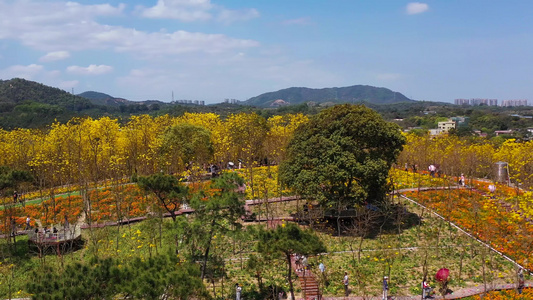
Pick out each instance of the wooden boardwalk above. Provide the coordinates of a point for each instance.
(60, 240)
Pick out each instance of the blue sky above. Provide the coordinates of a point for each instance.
(216, 49)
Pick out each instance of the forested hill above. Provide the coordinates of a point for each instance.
(104, 99)
(92, 95)
(25, 103)
(350, 94)
(29, 104)
(16, 91)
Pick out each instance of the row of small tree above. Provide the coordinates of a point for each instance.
(474, 157)
(88, 150)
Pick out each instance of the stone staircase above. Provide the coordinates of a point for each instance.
(308, 282)
(309, 286)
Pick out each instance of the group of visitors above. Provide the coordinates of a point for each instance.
(427, 290)
(47, 230)
(385, 286)
(17, 197)
(433, 169)
(301, 263)
(216, 168)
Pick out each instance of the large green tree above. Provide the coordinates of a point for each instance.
(285, 241)
(170, 193)
(186, 144)
(11, 179)
(342, 156)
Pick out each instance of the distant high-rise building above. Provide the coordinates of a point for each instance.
(476, 101)
(231, 101)
(482, 101)
(522, 102)
(462, 102)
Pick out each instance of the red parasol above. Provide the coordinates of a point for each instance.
(442, 274)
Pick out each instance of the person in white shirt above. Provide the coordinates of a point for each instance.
(345, 282)
(237, 292)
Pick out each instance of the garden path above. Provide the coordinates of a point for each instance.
(462, 293)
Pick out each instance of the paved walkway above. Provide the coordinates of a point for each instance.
(462, 293)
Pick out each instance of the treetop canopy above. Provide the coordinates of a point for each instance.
(342, 156)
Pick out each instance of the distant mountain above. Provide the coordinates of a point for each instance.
(350, 94)
(98, 98)
(92, 95)
(104, 99)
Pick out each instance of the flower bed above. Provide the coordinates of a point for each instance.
(405, 180)
(503, 229)
(119, 202)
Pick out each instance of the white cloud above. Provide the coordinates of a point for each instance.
(183, 10)
(71, 27)
(414, 8)
(195, 10)
(299, 21)
(159, 44)
(54, 56)
(67, 85)
(26, 15)
(90, 70)
(237, 76)
(19, 71)
(230, 16)
(38, 73)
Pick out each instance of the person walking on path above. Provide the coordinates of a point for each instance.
(13, 227)
(492, 189)
(322, 268)
(305, 264)
(432, 170)
(462, 179)
(28, 226)
(345, 282)
(521, 282)
(385, 287)
(238, 290)
(426, 289)
(298, 262)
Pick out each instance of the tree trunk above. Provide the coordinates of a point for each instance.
(291, 287)
(206, 255)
